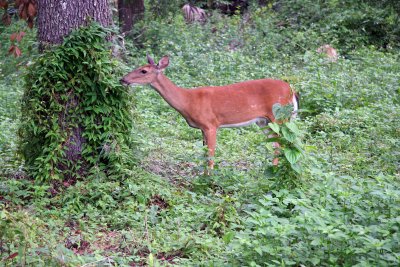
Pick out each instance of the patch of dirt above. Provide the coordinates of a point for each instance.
(239, 165)
(157, 200)
(75, 240)
(106, 241)
(173, 171)
(109, 241)
(77, 244)
(165, 258)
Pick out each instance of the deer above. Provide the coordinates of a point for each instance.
(330, 52)
(209, 108)
(193, 14)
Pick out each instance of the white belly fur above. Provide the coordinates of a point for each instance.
(259, 121)
(295, 105)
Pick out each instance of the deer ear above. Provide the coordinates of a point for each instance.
(150, 60)
(164, 61)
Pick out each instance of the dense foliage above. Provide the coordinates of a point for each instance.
(75, 114)
(347, 23)
(341, 208)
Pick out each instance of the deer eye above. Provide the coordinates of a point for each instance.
(143, 71)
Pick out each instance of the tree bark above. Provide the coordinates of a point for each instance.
(129, 11)
(57, 19)
(262, 2)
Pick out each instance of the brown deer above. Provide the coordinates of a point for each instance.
(192, 14)
(329, 51)
(211, 107)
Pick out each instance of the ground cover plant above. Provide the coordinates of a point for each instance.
(341, 208)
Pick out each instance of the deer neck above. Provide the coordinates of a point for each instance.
(175, 96)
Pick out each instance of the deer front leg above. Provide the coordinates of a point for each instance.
(210, 139)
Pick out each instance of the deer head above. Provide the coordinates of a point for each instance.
(145, 74)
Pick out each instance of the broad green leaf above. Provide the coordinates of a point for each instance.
(228, 237)
(258, 250)
(274, 127)
(288, 135)
(292, 155)
(282, 112)
(293, 127)
(275, 109)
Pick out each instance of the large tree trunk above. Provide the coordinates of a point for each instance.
(129, 11)
(56, 19)
(262, 2)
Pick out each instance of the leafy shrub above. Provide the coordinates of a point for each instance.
(75, 114)
(338, 221)
(164, 8)
(290, 151)
(357, 138)
(348, 24)
(347, 84)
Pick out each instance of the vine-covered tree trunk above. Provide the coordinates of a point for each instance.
(56, 19)
(129, 11)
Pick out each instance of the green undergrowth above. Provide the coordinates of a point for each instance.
(342, 210)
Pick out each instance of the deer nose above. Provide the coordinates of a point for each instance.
(123, 82)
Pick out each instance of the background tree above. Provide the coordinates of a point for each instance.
(129, 12)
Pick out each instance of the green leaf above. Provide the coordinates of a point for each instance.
(288, 135)
(282, 112)
(275, 109)
(293, 127)
(274, 127)
(228, 237)
(258, 250)
(292, 155)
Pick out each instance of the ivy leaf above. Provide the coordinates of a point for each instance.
(19, 36)
(13, 37)
(17, 52)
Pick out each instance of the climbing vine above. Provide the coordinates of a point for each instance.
(75, 115)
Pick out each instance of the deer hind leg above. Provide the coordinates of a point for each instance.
(210, 139)
(204, 138)
(263, 123)
(276, 146)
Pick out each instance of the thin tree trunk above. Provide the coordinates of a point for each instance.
(129, 11)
